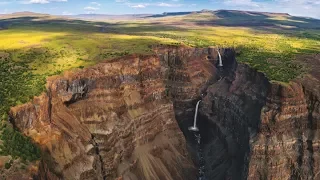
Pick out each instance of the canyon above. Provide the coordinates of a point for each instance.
(128, 118)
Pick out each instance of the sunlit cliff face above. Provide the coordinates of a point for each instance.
(129, 118)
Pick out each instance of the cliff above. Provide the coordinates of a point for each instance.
(255, 129)
(128, 118)
(116, 119)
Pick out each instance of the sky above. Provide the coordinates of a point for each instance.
(307, 8)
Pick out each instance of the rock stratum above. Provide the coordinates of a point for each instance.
(128, 119)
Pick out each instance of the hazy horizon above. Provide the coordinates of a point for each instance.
(306, 8)
(88, 14)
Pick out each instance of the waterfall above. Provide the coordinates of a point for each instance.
(220, 59)
(194, 127)
(197, 135)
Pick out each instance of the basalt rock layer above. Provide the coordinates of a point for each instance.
(128, 118)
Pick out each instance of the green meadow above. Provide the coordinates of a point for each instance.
(33, 48)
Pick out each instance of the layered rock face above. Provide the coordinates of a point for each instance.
(254, 129)
(116, 119)
(128, 119)
(287, 146)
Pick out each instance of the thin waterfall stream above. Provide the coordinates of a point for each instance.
(197, 136)
(220, 59)
(196, 130)
(194, 127)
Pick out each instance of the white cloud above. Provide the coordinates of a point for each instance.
(138, 6)
(144, 5)
(90, 8)
(121, 1)
(95, 3)
(168, 5)
(41, 1)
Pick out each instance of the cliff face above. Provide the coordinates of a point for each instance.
(229, 117)
(117, 119)
(128, 118)
(287, 146)
(254, 129)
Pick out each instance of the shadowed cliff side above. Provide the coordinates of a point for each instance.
(254, 129)
(229, 115)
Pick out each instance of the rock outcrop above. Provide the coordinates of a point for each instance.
(128, 118)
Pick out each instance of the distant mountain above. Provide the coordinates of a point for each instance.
(224, 13)
(24, 14)
(230, 14)
(246, 14)
(109, 17)
(28, 13)
(219, 13)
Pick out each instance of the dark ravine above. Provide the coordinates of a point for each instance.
(129, 118)
(229, 116)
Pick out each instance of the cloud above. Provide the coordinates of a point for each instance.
(90, 8)
(138, 6)
(41, 1)
(144, 5)
(168, 5)
(95, 3)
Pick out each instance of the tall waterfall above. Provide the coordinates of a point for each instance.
(194, 127)
(220, 59)
(197, 135)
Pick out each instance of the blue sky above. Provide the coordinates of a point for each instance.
(309, 8)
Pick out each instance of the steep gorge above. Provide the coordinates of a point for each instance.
(128, 119)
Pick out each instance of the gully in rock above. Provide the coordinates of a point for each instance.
(200, 157)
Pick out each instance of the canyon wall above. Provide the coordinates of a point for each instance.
(128, 118)
(116, 119)
(254, 129)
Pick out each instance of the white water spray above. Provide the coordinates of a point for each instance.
(220, 59)
(194, 127)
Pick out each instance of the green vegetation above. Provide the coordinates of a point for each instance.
(18, 84)
(8, 165)
(17, 145)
